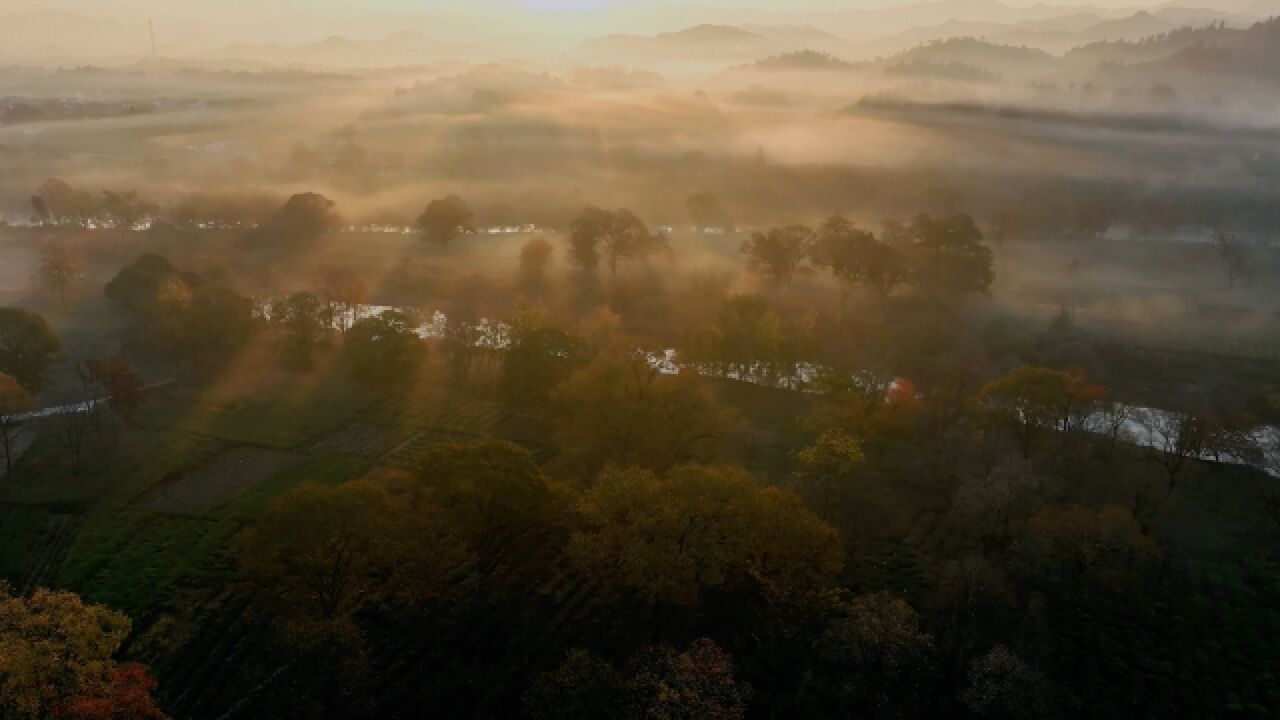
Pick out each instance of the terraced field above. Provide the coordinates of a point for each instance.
(221, 479)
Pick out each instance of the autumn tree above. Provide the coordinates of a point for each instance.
(878, 411)
(58, 270)
(1032, 400)
(445, 219)
(28, 347)
(775, 255)
(57, 660)
(384, 350)
(14, 400)
(620, 410)
(612, 236)
(535, 259)
(137, 286)
(125, 695)
(671, 538)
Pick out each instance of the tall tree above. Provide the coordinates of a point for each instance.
(28, 347)
(58, 270)
(301, 317)
(949, 259)
(323, 552)
(535, 259)
(775, 255)
(612, 236)
(621, 410)
(856, 257)
(445, 219)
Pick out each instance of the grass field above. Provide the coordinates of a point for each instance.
(222, 478)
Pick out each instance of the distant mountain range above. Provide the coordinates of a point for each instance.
(711, 44)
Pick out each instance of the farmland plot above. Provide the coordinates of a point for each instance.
(226, 476)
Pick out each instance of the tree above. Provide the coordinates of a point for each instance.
(321, 551)
(621, 410)
(1031, 400)
(121, 386)
(490, 494)
(1074, 549)
(873, 657)
(615, 235)
(299, 224)
(829, 472)
(1002, 686)
(126, 695)
(445, 219)
(14, 400)
(1235, 258)
(384, 351)
(671, 538)
(56, 659)
(124, 210)
(535, 258)
(705, 211)
(696, 683)
(300, 315)
(138, 285)
(537, 361)
(58, 270)
(28, 347)
(658, 682)
(775, 255)
(218, 323)
(856, 257)
(343, 292)
(948, 257)
(744, 337)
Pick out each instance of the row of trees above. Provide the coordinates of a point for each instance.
(944, 258)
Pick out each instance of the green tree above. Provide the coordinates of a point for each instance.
(856, 257)
(384, 351)
(744, 337)
(28, 347)
(830, 473)
(445, 219)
